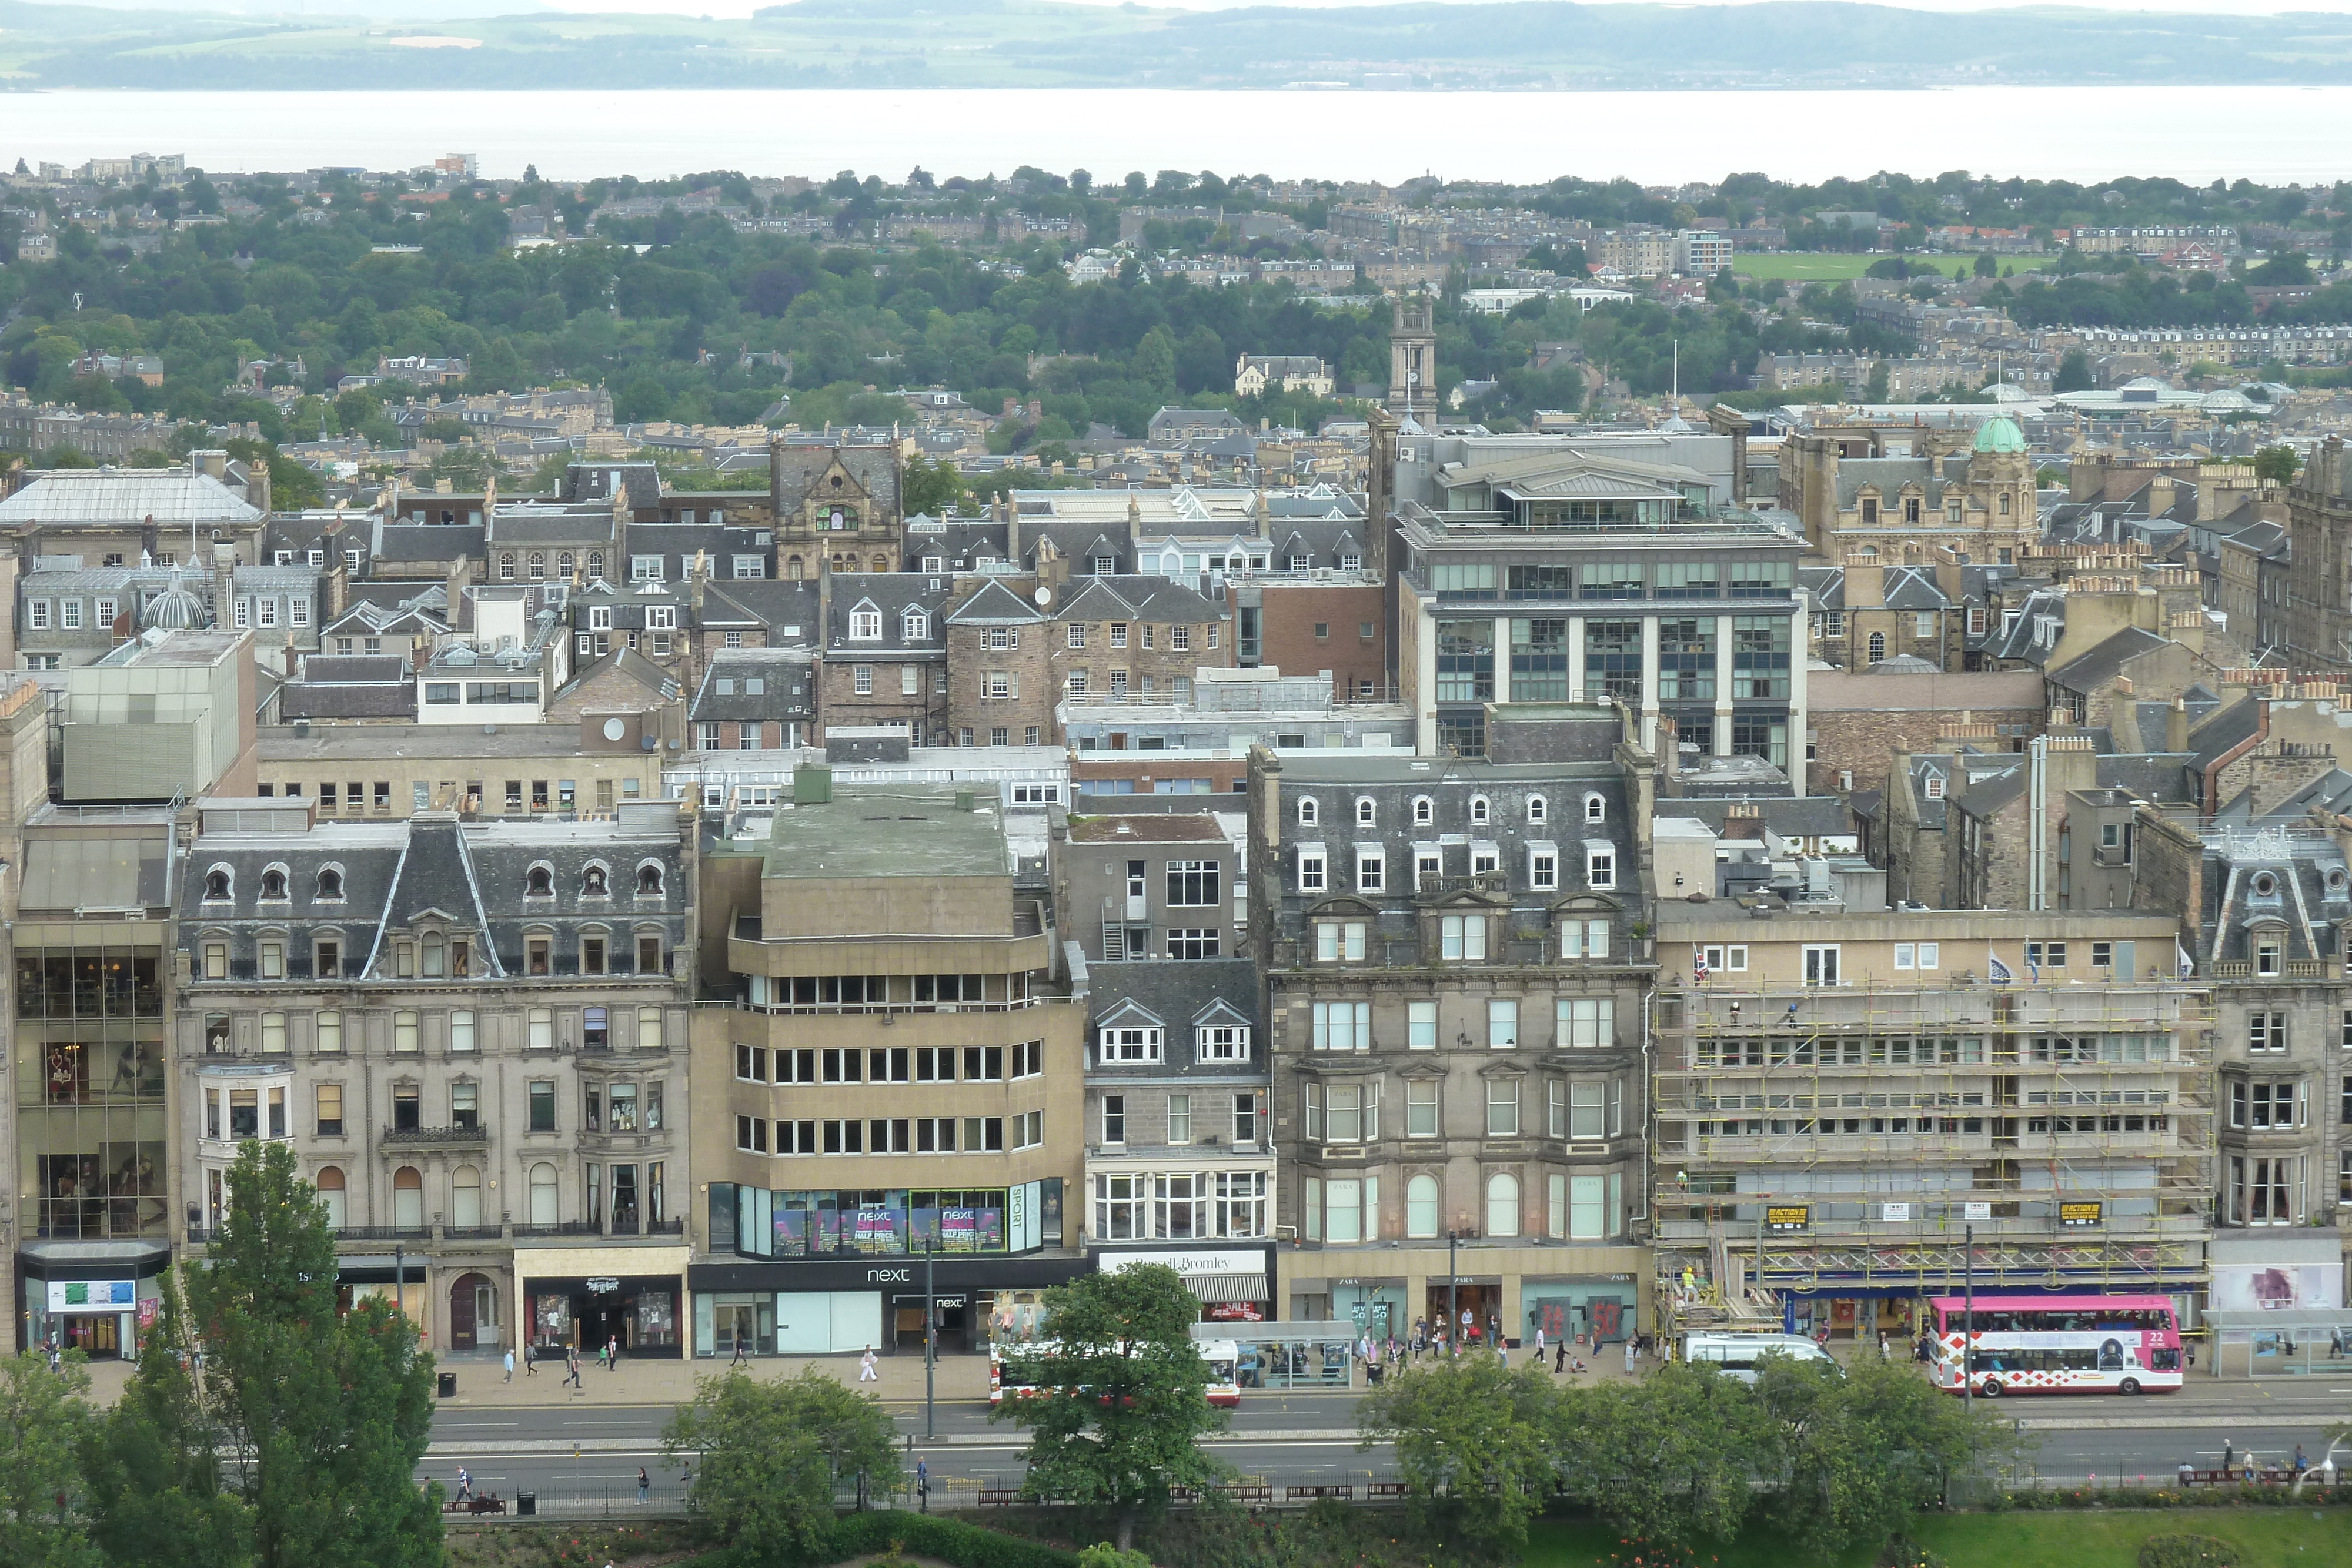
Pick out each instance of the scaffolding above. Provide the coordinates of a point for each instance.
(2103, 1092)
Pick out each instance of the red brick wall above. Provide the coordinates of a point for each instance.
(1287, 640)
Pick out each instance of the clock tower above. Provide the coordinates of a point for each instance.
(1412, 360)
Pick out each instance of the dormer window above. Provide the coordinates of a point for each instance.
(2266, 885)
(1596, 809)
(866, 625)
(1366, 811)
(916, 626)
(1424, 811)
(593, 884)
(1934, 785)
(649, 882)
(1479, 811)
(273, 883)
(1307, 816)
(217, 885)
(330, 883)
(1539, 809)
(539, 882)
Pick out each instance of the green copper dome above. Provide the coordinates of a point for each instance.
(1999, 434)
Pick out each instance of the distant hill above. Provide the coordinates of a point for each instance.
(1511, 44)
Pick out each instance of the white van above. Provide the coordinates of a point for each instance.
(1735, 1355)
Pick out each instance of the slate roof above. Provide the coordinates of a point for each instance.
(428, 541)
(757, 685)
(2092, 671)
(995, 604)
(797, 469)
(1152, 599)
(1178, 997)
(788, 610)
(893, 593)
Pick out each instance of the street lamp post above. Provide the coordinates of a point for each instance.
(931, 1333)
(1968, 1322)
(1453, 1292)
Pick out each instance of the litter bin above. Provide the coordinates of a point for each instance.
(526, 1504)
(448, 1386)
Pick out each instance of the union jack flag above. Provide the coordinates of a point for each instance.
(1698, 963)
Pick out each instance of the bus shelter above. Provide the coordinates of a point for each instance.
(2294, 1343)
(1303, 1355)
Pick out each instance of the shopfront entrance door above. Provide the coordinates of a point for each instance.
(731, 1326)
(1478, 1301)
(96, 1334)
(600, 1318)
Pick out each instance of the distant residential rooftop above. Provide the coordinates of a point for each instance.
(1141, 830)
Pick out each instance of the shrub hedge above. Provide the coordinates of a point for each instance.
(934, 1535)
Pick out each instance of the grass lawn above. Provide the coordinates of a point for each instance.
(2265, 1538)
(1836, 266)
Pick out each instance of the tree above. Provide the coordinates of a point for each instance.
(1122, 1404)
(2276, 465)
(1986, 265)
(326, 1416)
(1860, 1449)
(1874, 389)
(772, 1455)
(1474, 1441)
(43, 1420)
(932, 488)
(1669, 1458)
(156, 1497)
(2074, 372)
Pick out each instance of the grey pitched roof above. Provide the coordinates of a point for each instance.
(1177, 996)
(995, 605)
(2092, 671)
(2222, 732)
(893, 593)
(1803, 815)
(787, 609)
(802, 471)
(756, 686)
(1913, 588)
(429, 541)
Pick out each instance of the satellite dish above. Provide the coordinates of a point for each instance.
(615, 730)
(1044, 595)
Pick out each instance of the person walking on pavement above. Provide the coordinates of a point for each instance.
(613, 1353)
(571, 1367)
(740, 1359)
(1560, 1355)
(1419, 1337)
(1539, 1345)
(645, 1483)
(530, 1367)
(866, 1373)
(1469, 1327)
(509, 1365)
(1629, 1358)
(464, 1486)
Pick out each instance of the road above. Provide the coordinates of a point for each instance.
(577, 1451)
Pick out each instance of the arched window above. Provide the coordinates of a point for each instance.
(1367, 811)
(1424, 811)
(1479, 811)
(881, 563)
(596, 563)
(539, 882)
(407, 1198)
(273, 883)
(466, 1198)
(649, 882)
(507, 567)
(217, 884)
(1421, 1206)
(542, 1194)
(564, 564)
(1539, 810)
(331, 1194)
(1307, 815)
(331, 883)
(1877, 647)
(1596, 809)
(793, 568)
(593, 884)
(1502, 1204)
(539, 565)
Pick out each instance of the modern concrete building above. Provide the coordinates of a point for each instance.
(1844, 1093)
(887, 1064)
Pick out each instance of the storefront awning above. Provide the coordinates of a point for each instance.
(1228, 1287)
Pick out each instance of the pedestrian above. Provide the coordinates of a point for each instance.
(2300, 1464)
(866, 1373)
(1882, 1346)
(1540, 1345)
(1469, 1327)
(2187, 1473)
(740, 1359)
(530, 1367)
(1560, 1354)
(2335, 1343)
(465, 1485)
(1419, 1337)
(1495, 1329)
(644, 1484)
(2229, 1455)
(613, 1353)
(1629, 1358)
(571, 1367)
(57, 1356)
(509, 1365)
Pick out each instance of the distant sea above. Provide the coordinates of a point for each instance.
(2192, 133)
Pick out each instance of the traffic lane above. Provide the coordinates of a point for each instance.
(2159, 1451)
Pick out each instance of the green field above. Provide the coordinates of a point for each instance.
(1836, 266)
(2265, 1538)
